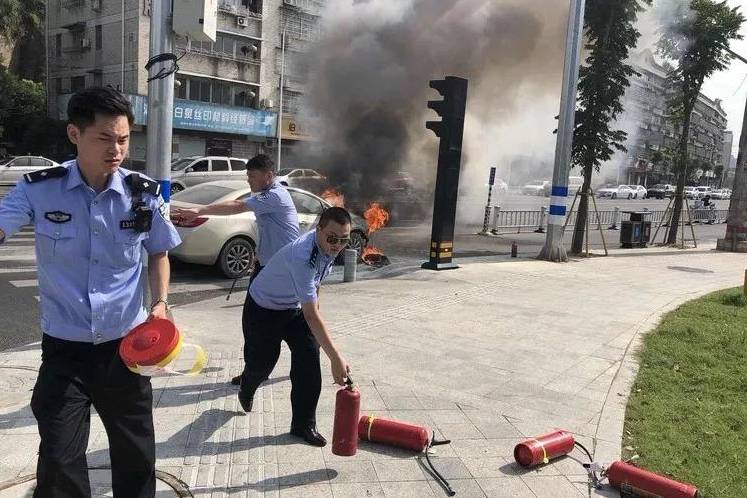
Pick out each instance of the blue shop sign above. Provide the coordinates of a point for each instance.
(191, 115)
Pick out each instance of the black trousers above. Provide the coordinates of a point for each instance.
(264, 330)
(72, 377)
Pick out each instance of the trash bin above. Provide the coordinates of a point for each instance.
(636, 231)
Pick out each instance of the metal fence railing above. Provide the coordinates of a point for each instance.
(517, 220)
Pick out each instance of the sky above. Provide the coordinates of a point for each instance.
(731, 85)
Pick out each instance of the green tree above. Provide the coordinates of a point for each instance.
(610, 34)
(19, 18)
(697, 42)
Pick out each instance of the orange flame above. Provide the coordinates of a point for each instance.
(334, 197)
(376, 216)
(370, 250)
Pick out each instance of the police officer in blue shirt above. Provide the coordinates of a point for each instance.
(91, 220)
(273, 207)
(283, 305)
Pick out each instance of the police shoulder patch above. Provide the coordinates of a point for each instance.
(58, 216)
(45, 174)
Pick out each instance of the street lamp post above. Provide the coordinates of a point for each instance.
(280, 104)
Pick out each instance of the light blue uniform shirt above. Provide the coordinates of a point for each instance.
(89, 265)
(292, 275)
(277, 220)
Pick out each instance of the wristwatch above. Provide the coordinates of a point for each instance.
(154, 303)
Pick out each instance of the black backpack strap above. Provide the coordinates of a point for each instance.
(313, 256)
(45, 174)
(139, 185)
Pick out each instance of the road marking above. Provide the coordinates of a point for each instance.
(24, 283)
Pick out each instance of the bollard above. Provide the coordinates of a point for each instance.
(514, 249)
(486, 220)
(351, 265)
(615, 219)
(542, 222)
(496, 215)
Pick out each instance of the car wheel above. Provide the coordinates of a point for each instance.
(236, 257)
(630, 196)
(614, 196)
(358, 241)
(176, 188)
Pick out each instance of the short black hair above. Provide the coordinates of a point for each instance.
(86, 104)
(260, 162)
(337, 214)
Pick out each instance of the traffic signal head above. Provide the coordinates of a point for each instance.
(454, 93)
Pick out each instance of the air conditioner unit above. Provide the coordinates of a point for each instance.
(241, 21)
(85, 43)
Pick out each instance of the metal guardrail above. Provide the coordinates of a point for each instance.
(502, 219)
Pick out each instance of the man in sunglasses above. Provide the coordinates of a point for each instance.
(283, 305)
(272, 205)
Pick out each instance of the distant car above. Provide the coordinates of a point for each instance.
(639, 191)
(195, 170)
(535, 188)
(701, 192)
(722, 194)
(307, 179)
(399, 182)
(690, 193)
(13, 169)
(618, 192)
(661, 191)
(229, 242)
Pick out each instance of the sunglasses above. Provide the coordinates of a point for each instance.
(334, 240)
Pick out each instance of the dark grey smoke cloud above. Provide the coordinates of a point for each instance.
(370, 73)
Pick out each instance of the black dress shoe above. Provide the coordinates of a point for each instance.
(246, 399)
(310, 435)
(236, 381)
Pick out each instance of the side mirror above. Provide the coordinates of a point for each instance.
(189, 170)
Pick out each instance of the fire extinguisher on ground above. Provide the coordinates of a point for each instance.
(347, 412)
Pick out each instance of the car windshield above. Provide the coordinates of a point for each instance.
(202, 194)
(658, 186)
(285, 172)
(181, 164)
(6, 160)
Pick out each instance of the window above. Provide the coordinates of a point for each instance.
(20, 162)
(200, 166)
(77, 83)
(220, 165)
(305, 204)
(238, 165)
(58, 44)
(222, 93)
(97, 79)
(99, 40)
(58, 86)
(205, 91)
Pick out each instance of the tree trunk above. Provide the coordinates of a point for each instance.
(577, 245)
(679, 194)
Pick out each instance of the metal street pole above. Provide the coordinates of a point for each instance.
(553, 249)
(123, 46)
(735, 239)
(280, 104)
(160, 98)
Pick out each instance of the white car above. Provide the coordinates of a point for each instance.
(535, 188)
(194, 170)
(308, 179)
(639, 191)
(701, 192)
(723, 193)
(14, 168)
(619, 192)
(690, 193)
(229, 242)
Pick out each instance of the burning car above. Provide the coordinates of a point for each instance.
(229, 242)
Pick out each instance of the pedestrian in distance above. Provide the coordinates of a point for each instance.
(91, 221)
(283, 305)
(273, 207)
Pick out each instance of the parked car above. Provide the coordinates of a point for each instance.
(399, 182)
(574, 184)
(229, 242)
(195, 170)
(307, 179)
(660, 191)
(14, 168)
(535, 188)
(616, 192)
(639, 191)
(723, 193)
(690, 193)
(701, 192)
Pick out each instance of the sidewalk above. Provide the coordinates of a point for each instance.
(488, 354)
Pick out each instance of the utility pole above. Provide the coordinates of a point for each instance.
(160, 97)
(554, 249)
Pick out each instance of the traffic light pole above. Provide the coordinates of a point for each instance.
(450, 130)
(554, 249)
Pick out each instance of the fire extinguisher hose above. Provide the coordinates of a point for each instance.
(585, 450)
(437, 474)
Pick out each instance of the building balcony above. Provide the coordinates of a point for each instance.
(238, 8)
(72, 4)
(312, 7)
(223, 55)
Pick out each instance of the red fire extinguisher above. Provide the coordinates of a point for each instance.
(347, 411)
(402, 435)
(544, 448)
(638, 482)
